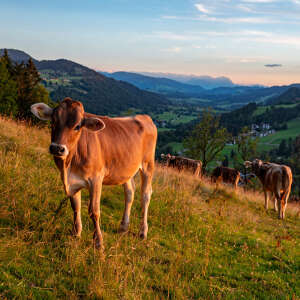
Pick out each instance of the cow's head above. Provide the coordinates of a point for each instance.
(255, 164)
(67, 121)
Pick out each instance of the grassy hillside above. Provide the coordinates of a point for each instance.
(202, 243)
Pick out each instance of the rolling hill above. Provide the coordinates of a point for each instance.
(99, 94)
(202, 243)
(290, 96)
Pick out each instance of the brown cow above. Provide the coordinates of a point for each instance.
(276, 181)
(188, 164)
(225, 174)
(165, 159)
(182, 163)
(92, 150)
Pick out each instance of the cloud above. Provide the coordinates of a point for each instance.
(202, 9)
(245, 8)
(173, 50)
(273, 65)
(259, 1)
(233, 20)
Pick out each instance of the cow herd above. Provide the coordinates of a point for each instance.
(276, 179)
(90, 151)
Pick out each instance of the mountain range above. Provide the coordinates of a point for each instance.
(205, 81)
(160, 85)
(116, 93)
(99, 94)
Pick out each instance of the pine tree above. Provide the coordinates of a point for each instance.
(8, 91)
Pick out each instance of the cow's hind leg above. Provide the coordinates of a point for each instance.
(273, 198)
(278, 199)
(284, 199)
(129, 188)
(76, 205)
(266, 199)
(94, 210)
(146, 191)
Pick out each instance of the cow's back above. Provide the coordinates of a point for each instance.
(278, 177)
(121, 148)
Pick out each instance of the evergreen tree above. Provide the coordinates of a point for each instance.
(282, 150)
(20, 88)
(225, 162)
(8, 91)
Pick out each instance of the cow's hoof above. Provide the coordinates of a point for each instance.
(142, 235)
(123, 228)
(99, 246)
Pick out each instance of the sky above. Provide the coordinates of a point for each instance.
(249, 41)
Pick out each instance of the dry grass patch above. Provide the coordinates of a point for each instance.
(203, 243)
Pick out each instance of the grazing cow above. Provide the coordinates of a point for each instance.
(276, 181)
(91, 150)
(182, 163)
(225, 174)
(165, 159)
(191, 165)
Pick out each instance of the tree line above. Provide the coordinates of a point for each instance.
(20, 87)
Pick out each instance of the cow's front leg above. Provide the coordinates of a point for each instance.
(76, 205)
(94, 210)
(146, 191)
(129, 196)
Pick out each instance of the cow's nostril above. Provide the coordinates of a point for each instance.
(51, 148)
(62, 149)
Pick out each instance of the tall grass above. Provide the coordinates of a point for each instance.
(202, 243)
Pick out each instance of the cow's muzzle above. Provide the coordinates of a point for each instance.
(58, 149)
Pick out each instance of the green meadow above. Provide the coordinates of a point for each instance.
(202, 243)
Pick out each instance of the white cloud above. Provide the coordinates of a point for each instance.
(173, 50)
(171, 17)
(202, 8)
(233, 20)
(245, 8)
(201, 35)
(205, 47)
(259, 1)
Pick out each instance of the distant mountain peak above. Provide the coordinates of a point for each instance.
(205, 81)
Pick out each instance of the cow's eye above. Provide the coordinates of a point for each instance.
(77, 127)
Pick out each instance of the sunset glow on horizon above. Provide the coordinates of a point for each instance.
(248, 41)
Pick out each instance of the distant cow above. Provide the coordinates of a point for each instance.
(91, 150)
(182, 163)
(225, 174)
(165, 159)
(276, 181)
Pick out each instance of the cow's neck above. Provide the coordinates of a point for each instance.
(261, 174)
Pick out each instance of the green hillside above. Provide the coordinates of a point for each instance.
(202, 243)
(99, 94)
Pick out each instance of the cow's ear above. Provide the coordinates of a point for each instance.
(93, 124)
(42, 111)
